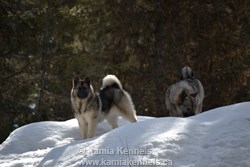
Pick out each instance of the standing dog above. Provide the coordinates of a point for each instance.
(91, 108)
(185, 98)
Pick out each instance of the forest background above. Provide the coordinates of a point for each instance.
(45, 43)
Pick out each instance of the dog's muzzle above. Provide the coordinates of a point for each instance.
(82, 92)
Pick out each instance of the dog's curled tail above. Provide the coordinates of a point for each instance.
(187, 73)
(111, 81)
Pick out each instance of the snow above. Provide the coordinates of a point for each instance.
(215, 138)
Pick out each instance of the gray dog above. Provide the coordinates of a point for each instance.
(185, 97)
(90, 108)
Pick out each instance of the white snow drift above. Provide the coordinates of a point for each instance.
(219, 138)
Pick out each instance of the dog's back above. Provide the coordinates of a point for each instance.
(111, 88)
(115, 98)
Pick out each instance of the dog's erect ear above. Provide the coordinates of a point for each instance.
(87, 79)
(75, 81)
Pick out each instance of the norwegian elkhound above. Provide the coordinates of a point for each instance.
(185, 97)
(90, 108)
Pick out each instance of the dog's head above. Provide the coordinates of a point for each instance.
(82, 88)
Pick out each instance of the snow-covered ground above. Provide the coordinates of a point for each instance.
(219, 138)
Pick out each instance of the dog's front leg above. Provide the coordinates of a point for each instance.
(83, 125)
(85, 131)
(92, 128)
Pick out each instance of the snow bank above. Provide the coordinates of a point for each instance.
(219, 137)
